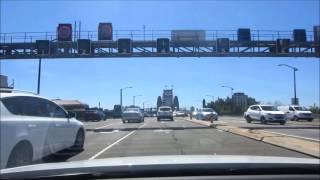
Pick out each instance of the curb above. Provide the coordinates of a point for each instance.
(309, 147)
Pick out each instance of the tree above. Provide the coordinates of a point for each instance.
(159, 102)
(203, 103)
(176, 103)
(192, 108)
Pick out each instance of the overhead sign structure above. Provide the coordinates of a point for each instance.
(163, 45)
(43, 46)
(124, 46)
(188, 35)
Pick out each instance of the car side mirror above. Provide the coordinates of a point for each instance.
(71, 114)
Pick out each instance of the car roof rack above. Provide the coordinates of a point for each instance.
(9, 90)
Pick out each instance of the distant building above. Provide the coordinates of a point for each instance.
(4, 82)
(75, 106)
(167, 97)
(240, 100)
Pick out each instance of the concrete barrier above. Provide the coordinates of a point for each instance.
(305, 146)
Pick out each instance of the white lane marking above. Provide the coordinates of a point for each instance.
(103, 126)
(116, 142)
(294, 136)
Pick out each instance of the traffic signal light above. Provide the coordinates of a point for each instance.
(283, 45)
(84, 46)
(42, 46)
(105, 31)
(64, 32)
(244, 35)
(163, 45)
(299, 35)
(124, 45)
(223, 45)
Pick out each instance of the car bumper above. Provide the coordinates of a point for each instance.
(165, 117)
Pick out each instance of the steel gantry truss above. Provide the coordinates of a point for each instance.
(144, 44)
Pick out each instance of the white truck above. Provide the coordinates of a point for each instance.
(295, 113)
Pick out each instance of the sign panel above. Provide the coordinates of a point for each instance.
(188, 35)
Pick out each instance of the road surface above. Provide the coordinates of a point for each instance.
(112, 138)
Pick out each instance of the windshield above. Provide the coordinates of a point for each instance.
(165, 109)
(269, 108)
(207, 110)
(132, 109)
(100, 79)
(299, 108)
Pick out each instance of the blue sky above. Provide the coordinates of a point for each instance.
(94, 80)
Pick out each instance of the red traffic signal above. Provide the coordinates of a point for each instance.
(64, 32)
(105, 31)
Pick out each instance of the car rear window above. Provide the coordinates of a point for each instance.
(165, 109)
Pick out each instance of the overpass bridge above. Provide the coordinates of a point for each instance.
(161, 43)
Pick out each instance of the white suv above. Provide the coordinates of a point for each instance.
(33, 127)
(296, 113)
(165, 112)
(265, 114)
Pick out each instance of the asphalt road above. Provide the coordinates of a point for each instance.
(112, 138)
(304, 129)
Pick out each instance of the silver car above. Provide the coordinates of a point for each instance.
(206, 114)
(132, 115)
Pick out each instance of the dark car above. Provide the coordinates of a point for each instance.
(93, 115)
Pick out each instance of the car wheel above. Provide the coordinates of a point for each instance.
(310, 120)
(158, 119)
(79, 141)
(21, 155)
(295, 118)
(248, 119)
(263, 120)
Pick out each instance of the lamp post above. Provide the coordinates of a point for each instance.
(231, 88)
(295, 102)
(134, 99)
(121, 95)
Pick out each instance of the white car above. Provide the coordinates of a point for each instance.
(206, 114)
(296, 113)
(164, 112)
(33, 127)
(264, 114)
(132, 115)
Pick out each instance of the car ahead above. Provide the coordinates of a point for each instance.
(179, 114)
(132, 114)
(296, 113)
(33, 127)
(264, 114)
(206, 114)
(164, 112)
(93, 115)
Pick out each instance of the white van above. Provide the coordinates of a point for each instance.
(294, 112)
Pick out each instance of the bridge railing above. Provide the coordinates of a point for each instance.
(147, 35)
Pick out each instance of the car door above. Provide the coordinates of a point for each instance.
(64, 131)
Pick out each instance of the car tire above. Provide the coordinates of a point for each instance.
(310, 120)
(79, 141)
(248, 119)
(21, 155)
(158, 119)
(263, 120)
(295, 118)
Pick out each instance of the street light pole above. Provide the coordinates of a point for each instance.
(121, 95)
(294, 81)
(134, 99)
(39, 76)
(231, 88)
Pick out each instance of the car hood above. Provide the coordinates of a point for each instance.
(125, 164)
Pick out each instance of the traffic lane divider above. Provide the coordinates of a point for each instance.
(306, 146)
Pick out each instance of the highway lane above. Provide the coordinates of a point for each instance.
(304, 129)
(112, 138)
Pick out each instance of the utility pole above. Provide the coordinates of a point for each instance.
(39, 76)
(295, 102)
